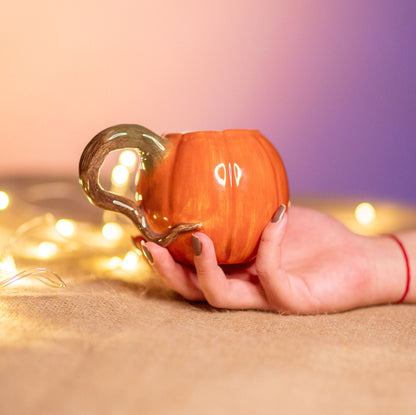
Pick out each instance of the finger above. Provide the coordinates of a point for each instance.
(269, 251)
(176, 276)
(220, 291)
(275, 281)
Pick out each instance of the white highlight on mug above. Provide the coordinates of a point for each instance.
(234, 174)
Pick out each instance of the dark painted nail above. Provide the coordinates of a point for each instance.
(277, 217)
(196, 245)
(147, 254)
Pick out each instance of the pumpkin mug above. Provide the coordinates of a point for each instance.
(227, 184)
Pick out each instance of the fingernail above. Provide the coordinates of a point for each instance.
(196, 245)
(277, 217)
(147, 254)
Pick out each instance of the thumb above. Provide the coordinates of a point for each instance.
(273, 278)
(269, 251)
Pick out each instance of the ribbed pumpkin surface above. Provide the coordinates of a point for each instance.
(231, 181)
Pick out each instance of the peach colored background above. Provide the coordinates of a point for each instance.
(331, 83)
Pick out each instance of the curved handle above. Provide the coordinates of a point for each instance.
(152, 149)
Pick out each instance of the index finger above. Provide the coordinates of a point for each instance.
(177, 276)
(220, 290)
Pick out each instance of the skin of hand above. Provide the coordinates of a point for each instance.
(307, 263)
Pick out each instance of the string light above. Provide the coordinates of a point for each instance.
(23, 243)
(65, 227)
(115, 262)
(128, 158)
(120, 185)
(44, 237)
(112, 231)
(43, 275)
(4, 200)
(47, 249)
(130, 261)
(7, 265)
(365, 213)
(120, 175)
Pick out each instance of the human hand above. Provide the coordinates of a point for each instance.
(307, 262)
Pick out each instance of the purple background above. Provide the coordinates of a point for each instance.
(353, 130)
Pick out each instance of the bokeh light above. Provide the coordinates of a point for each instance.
(65, 227)
(47, 249)
(4, 200)
(119, 175)
(365, 213)
(130, 261)
(115, 262)
(112, 231)
(128, 158)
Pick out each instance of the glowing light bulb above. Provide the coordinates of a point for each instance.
(130, 261)
(115, 262)
(7, 265)
(128, 158)
(4, 200)
(112, 231)
(65, 227)
(120, 174)
(365, 213)
(47, 249)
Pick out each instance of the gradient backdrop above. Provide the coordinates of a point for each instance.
(332, 83)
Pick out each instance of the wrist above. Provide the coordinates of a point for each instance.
(408, 241)
(387, 270)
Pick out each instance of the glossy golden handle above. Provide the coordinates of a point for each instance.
(152, 149)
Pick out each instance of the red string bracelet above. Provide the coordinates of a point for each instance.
(406, 258)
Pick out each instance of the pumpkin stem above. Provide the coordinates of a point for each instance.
(152, 149)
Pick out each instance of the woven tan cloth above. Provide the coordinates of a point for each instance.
(110, 345)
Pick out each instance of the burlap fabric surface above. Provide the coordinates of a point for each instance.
(106, 345)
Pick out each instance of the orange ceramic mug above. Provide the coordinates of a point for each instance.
(228, 184)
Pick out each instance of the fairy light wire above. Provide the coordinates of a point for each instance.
(64, 228)
(45, 249)
(44, 275)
